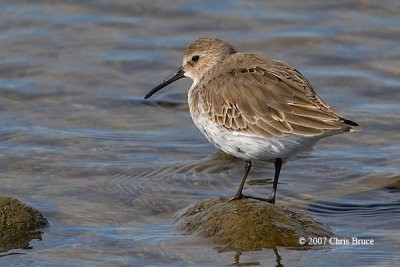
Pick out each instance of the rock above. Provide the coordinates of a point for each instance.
(247, 224)
(18, 224)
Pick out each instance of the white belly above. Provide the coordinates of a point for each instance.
(248, 147)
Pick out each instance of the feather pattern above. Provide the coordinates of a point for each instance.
(267, 98)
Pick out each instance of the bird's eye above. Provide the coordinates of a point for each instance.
(195, 58)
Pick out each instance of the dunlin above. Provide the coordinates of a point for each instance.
(253, 107)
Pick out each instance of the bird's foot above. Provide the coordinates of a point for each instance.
(270, 199)
(237, 197)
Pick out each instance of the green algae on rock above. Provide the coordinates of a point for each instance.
(247, 224)
(18, 224)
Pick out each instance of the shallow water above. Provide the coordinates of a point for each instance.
(109, 170)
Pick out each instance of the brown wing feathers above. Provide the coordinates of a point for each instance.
(256, 101)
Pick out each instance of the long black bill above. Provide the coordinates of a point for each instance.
(179, 73)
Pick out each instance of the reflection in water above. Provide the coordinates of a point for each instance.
(278, 258)
(238, 263)
(109, 170)
(256, 263)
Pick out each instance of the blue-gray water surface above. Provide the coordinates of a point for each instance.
(109, 170)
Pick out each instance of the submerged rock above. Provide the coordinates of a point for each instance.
(18, 224)
(248, 224)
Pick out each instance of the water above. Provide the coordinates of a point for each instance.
(109, 170)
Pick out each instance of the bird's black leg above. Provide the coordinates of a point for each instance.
(271, 199)
(247, 168)
(278, 165)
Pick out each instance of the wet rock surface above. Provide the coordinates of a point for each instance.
(247, 224)
(19, 224)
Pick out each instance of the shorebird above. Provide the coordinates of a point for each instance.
(253, 107)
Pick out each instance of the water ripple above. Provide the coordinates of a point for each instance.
(355, 209)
